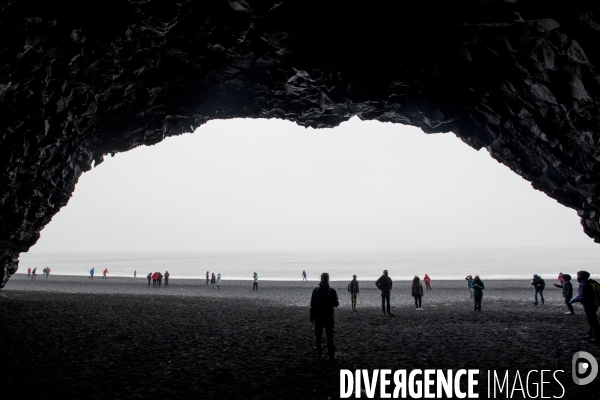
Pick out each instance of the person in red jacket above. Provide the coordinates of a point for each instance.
(155, 279)
(427, 279)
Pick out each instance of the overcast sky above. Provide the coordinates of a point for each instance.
(270, 185)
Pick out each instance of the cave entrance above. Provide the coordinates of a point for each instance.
(270, 186)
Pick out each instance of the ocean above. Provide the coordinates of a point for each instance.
(497, 263)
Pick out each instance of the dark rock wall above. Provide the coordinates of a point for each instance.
(80, 82)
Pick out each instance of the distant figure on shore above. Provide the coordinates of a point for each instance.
(33, 273)
(207, 278)
(303, 275)
(48, 270)
(155, 279)
(255, 284)
(167, 275)
(213, 280)
(104, 273)
(567, 291)
(417, 292)
(478, 287)
(538, 288)
(560, 278)
(354, 290)
(218, 281)
(469, 280)
(427, 279)
(149, 278)
(135, 273)
(160, 276)
(322, 303)
(44, 271)
(91, 274)
(384, 284)
(587, 297)
(29, 272)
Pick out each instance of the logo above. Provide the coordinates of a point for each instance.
(581, 368)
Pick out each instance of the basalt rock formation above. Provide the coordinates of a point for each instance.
(83, 81)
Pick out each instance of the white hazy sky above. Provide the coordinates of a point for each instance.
(270, 185)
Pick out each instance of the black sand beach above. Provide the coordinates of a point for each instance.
(73, 338)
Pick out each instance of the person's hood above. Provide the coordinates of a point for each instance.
(566, 277)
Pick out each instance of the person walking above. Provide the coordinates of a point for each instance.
(149, 278)
(427, 279)
(207, 278)
(91, 274)
(29, 272)
(469, 280)
(538, 288)
(167, 275)
(104, 273)
(384, 284)
(303, 275)
(33, 273)
(587, 298)
(477, 286)
(322, 303)
(560, 278)
(218, 281)
(417, 292)
(567, 291)
(48, 270)
(213, 280)
(255, 284)
(354, 291)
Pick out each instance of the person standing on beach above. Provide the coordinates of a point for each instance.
(560, 278)
(567, 292)
(149, 278)
(167, 275)
(48, 272)
(303, 275)
(384, 284)
(538, 287)
(354, 290)
(33, 273)
(160, 276)
(469, 280)
(322, 303)
(427, 279)
(213, 280)
(104, 273)
(587, 298)
(255, 284)
(29, 272)
(218, 281)
(155, 279)
(417, 292)
(135, 273)
(207, 278)
(91, 274)
(477, 286)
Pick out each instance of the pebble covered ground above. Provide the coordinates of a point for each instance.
(75, 338)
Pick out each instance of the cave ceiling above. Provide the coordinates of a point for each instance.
(82, 81)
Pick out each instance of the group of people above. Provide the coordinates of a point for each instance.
(104, 273)
(156, 278)
(215, 281)
(32, 273)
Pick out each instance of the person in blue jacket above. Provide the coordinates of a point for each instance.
(567, 292)
(91, 273)
(477, 286)
(586, 296)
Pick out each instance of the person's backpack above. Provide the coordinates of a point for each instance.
(541, 282)
(596, 290)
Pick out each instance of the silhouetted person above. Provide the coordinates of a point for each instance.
(477, 286)
(354, 290)
(167, 275)
(213, 280)
(417, 292)
(135, 273)
(322, 303)
(303, 275)
(207, 278)
(33, 273)
(538, 288)
(255, 284)
(149, 278)
(469, 280)
(218, 281)
(160, 276)
(384, 283)
(567, 291)
(586, 297)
